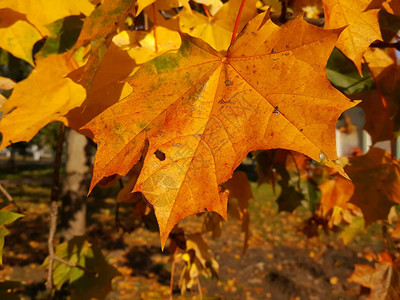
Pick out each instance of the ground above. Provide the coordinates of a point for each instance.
(280, 263)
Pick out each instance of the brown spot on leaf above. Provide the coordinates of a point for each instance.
(160, 155)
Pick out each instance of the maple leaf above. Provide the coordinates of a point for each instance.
(376, 181)
(110, 14)
(202, 112)
(362, 26)
(392, 6)
(335, 199)
(42, 13)
(17, 36)
(376, 123)
(386, 74)
(107, 88)
(239, 188)
(141, 45)
(335, 192)
(47, 92)
(382, 279)
(217, 30)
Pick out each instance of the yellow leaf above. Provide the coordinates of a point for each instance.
(217, 30)
(45, 96)
(141, 44)
(43, 12)
(17, 36)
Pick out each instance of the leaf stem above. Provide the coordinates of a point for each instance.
(153, 6)
(72, 265)
(382, 45)
(384, 104)
(206, 11)
(237, 21)
(10, 199)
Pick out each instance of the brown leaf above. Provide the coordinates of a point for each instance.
(239, 188)
(383, 280)
(376, 178)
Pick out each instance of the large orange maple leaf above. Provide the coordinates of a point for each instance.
(201, 112)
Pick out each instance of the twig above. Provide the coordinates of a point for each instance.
(171, 281)
(283, 17)
(53, 205)
(380, 44)
(199, 288)
(10, 199)
(237, 21)
(72, 265)
(275, 17)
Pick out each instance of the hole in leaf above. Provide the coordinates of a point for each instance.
(160, 155)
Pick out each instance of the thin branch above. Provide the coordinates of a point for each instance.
(72, 265)
(320, 22)
(199, 288)
(171, 281)
(283, 17)
(237, 21)
(53, 205)
(382, 45)
(10, 199)
(206, 11)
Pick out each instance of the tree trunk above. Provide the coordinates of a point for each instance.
(75, 185)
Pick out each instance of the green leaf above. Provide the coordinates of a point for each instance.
(3, 233)
(289, 199)
(7, 217)
(64, 34)
(84, 285)
(343, 74)
(352, 230)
